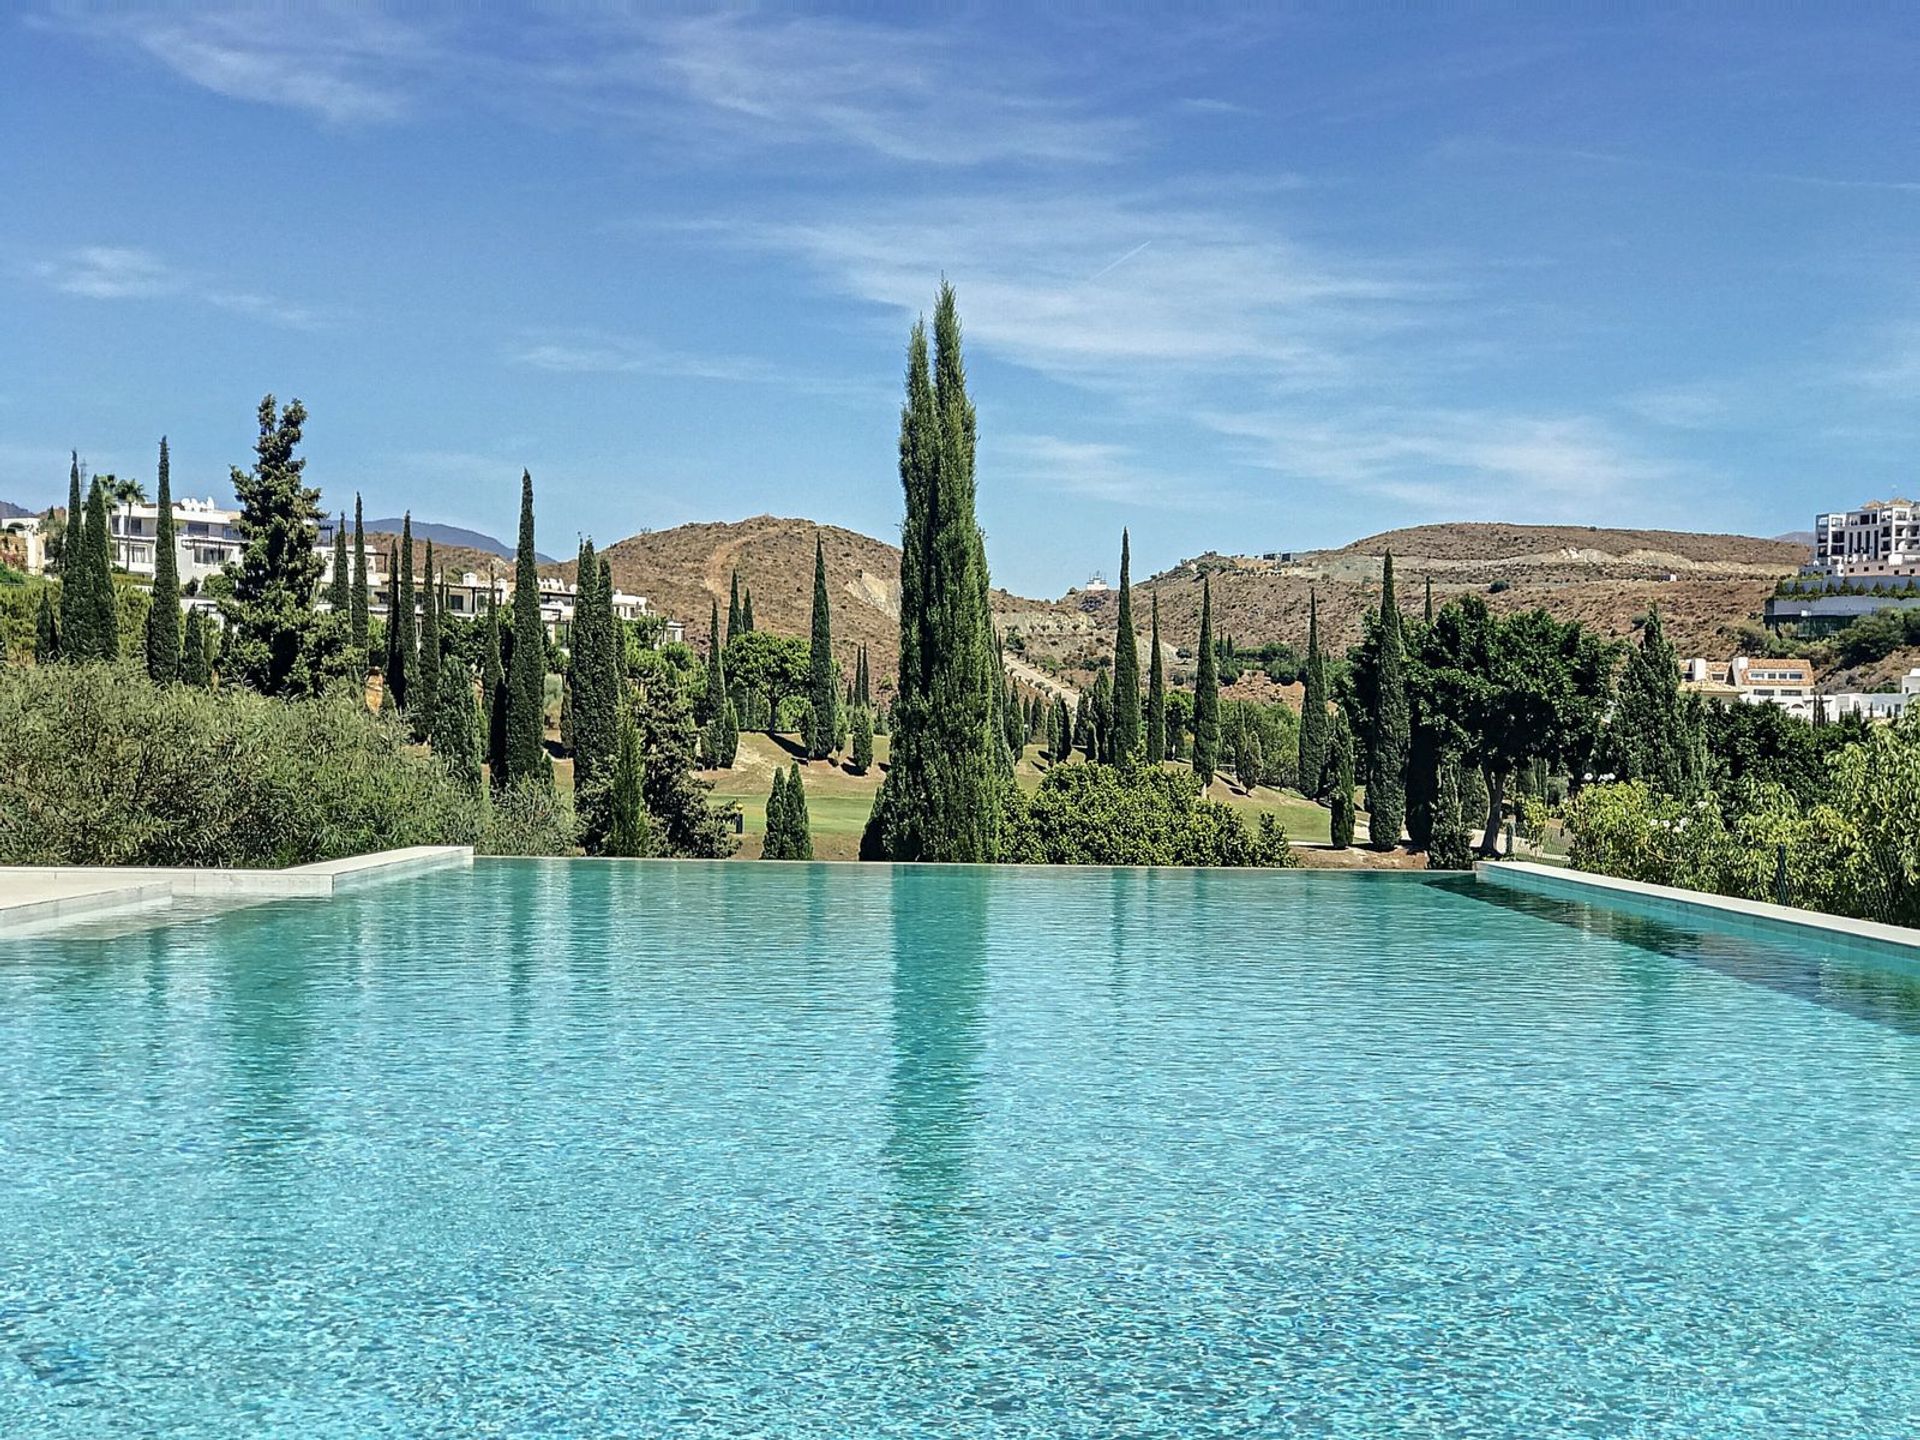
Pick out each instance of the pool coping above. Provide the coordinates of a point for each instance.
(1693, 906)
(44, 895)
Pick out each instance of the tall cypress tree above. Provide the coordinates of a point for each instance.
(1429, 599)
(427, 694)
(734, 625)
(630, 827)
(1206, 695)
(1389, 743)
(1102, 719)
(527, 673)
(358, 601)
(393, 673)
(493, 691)
(1313, 709)
(1652, 735)
(1127, 739)
(1340, 781)
(95, 631)
(403, 622)
(1156, 694)
(73, 590)
(746, 613)
(340, 584)
(195, 669)
(46, 630)
(823, 676)
(163, 616)
(594, 687)
(708, 704)
(455, 736)
(942, 798)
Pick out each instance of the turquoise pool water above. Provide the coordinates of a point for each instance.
(736, 1150)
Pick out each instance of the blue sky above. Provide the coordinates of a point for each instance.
(1241, 283)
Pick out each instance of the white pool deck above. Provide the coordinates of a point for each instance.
(1696, 907)
(34, 897)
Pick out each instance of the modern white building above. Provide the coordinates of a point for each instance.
(1881, 705)
(1880, 539)
(1786, 683)
(206, 537)
(467, 596)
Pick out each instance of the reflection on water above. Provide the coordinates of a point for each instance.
(1866, 982)
(939, 1009)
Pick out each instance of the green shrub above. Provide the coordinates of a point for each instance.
(100, 767)
(529, 817)
(1122, 815)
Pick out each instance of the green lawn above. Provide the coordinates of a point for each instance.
(838, 803)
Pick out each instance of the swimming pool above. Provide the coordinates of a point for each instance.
(551, 1148)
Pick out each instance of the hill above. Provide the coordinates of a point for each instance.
(1705, 585)
(684, 570)
(11, 511)
(453, 538)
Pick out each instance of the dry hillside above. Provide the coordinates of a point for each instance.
(683, 570)
(1705, 585)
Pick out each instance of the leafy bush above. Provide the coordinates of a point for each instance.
(1125, 815)
(1856, 852)
(100, 767)
(529, 818)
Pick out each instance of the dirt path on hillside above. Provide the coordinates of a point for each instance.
(1038, 679)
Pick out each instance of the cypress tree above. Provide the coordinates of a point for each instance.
(718, 747)
(1206, 695)
(862, 756)
(429, 662)
(1102, 719)
(340, 586)
(943, 795)
(746, 613)
(1651, 736)
(46, 630)
(1248, 762)
(1450, 847)
(630, 828)
(95, 631)
(773, 842)
(1313, 710)
(403, 623)
(456, 735)
(163, 616)
(73, 592)
(1429, 599)
(194, 667)
(789, 834)
(823, 677)
(735, 623)
(393, 681)
(1340, 777)
(359, 600)
(708, 705)
(1062, 729)
(1389, 743)
(593, 682)
(1156, 694)
(493, 691)
(526, 756)
(1127, 739)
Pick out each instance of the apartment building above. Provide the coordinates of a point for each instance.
(206, 537)
(1880, 539)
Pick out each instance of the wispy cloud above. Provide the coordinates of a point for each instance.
(345, 63)
(587, 352)
(926, 95)
(109, 272)
(1199, 290)
(119, 272)
(1095, 470)
(1468, 464)
(1482, 148)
